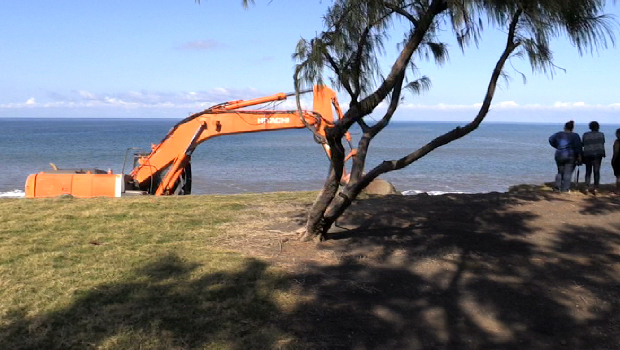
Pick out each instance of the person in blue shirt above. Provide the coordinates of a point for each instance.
(567, 146)
(593, 154)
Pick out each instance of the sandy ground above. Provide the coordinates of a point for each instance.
(528, 269)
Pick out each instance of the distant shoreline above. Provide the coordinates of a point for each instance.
(393, 122)
(545, 187)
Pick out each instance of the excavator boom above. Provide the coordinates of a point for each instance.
(167, 168)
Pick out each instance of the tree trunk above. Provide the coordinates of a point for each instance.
(335, 198)
(316, 227)
(329, 206)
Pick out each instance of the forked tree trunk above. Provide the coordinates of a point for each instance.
(328, 207)
(336, 197)
(316, 226)
(333, 201)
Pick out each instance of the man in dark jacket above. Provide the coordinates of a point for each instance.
(567, 146)
(593, 154)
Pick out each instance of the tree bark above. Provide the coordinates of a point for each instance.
(316, 227)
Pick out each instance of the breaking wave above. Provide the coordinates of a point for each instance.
(430, 193)
(12, 194)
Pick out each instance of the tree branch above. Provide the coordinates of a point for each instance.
(336, 68)
(401, 12)
(392, 107)
(357, 61)
(400, 65)
(359, 160)
(458, 132)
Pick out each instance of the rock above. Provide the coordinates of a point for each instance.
(380, 187)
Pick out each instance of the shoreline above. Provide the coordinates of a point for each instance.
(545, 187)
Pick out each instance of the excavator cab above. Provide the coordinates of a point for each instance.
(139, 156)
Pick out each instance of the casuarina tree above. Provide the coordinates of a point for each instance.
(347, 53)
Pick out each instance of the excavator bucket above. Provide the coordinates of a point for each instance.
(323, 102)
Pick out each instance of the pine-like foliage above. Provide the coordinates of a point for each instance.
(356, 32)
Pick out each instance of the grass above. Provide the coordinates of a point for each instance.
(529, 269)
(135, 273)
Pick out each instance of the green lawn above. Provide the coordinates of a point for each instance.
(135, 273)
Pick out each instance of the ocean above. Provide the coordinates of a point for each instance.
(492, 158)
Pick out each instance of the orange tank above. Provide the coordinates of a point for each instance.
(77, 184)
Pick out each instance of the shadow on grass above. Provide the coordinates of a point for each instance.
(162, 308)
(496, 296)
(465, 272)
(450, 272)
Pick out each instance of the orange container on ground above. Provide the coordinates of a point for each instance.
(78, 183)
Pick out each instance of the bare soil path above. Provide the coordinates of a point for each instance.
(528, 269)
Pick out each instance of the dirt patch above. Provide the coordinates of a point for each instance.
(529, 269)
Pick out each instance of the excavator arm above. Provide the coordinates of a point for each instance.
(166, 169)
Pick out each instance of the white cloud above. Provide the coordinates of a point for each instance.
(291, 104)
(143, 99)
(194, 101)
(439, 106)
(506, 104)
(201, 45)
(222, 91)
(87, 95)
(510, 105)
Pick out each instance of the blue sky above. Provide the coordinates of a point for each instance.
(160, 58)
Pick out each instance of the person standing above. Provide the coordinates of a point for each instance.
(567, 146)
(615, 161)
(593, 154)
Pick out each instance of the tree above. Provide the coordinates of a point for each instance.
(355, 34)
(356, 31)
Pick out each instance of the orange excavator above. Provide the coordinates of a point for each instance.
(166, 170)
